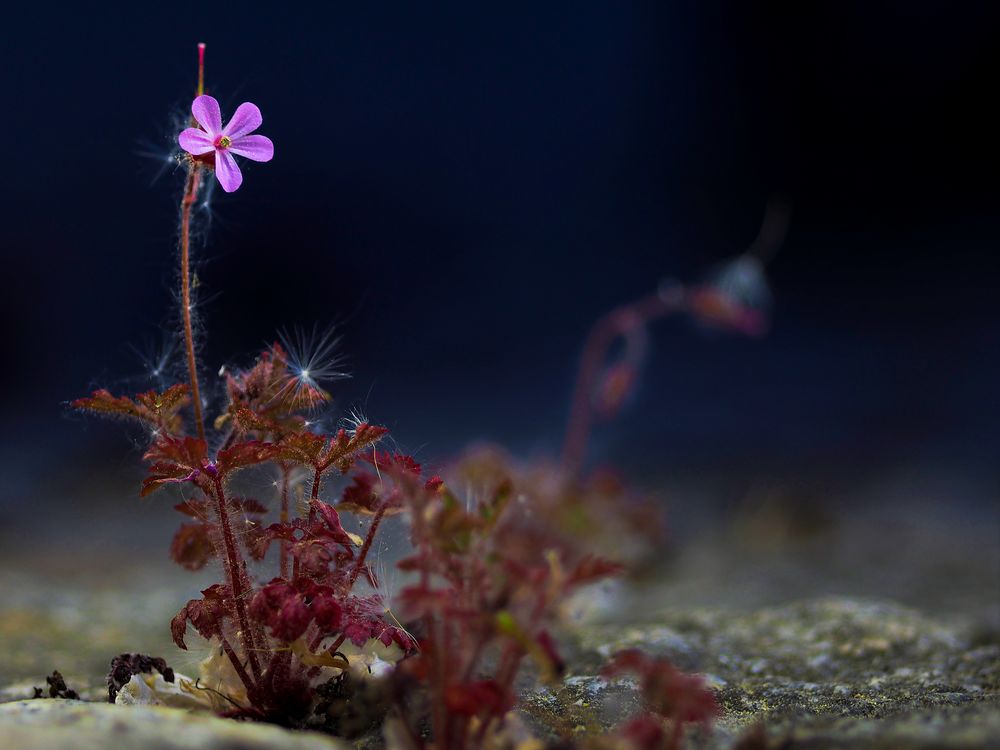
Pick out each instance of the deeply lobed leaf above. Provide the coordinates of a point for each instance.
(206, 615)
(158, 410)
(192, 545)
(174, 460)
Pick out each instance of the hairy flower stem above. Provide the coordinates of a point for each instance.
(360, 564)
(283, 563)
(317, 477)
(315, 488)
(191, 185)
(619, 322)
(235, 573)
(190, 196)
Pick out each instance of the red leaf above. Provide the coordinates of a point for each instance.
(483, 698)
(327, 612)
(343, 449)
(301, 447)
(668, 691)
(644, 732)
(247, 420)
(398, 461)
(166, 473)
(192, 546)
(287, 609)
(242, 455)
(364, 619)
(272, 391)
(314, 559)
(189, 452)
(157, 409)
(194, 507)
(333, 528)
(630, 660)
(360, 496)
(205, 615)
(280, 607)
(260, 539)
(364, 498)
(174, 460)
(418, 600)
(592, 568)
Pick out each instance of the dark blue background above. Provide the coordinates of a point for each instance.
(466, 187)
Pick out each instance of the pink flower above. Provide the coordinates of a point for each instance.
(235, 138)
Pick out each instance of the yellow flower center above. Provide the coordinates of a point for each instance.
(223, 141)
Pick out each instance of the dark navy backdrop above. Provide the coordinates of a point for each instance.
(465, 187)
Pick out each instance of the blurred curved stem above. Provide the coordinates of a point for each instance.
(619, 322)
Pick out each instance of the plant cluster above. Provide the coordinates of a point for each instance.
(672, 700)
(490, 580)
(486, 575)
(271, 633)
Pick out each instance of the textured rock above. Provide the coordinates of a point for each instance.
(824, 672)
(57, 724)
(829, 672)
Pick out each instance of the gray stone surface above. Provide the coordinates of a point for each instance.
(58, 724)
(831, 671)
(870, 631)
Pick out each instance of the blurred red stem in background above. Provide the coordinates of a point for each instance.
(620, 322)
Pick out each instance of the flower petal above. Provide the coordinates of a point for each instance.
(195, 141)
(256, 147)
(246, 120)
(226, 171)
(207, 113)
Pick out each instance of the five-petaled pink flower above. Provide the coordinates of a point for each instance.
(235, 138)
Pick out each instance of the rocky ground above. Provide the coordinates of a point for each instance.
(814, 673)
(864, 632)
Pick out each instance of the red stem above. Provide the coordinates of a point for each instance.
(283, 565)
(318, 639)
(235, 573)
(315, 487)
(618, 322)
(191, 185)
(238, 666)
(190, 196)
(312, 515)
(676, 735)
(359, 565)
